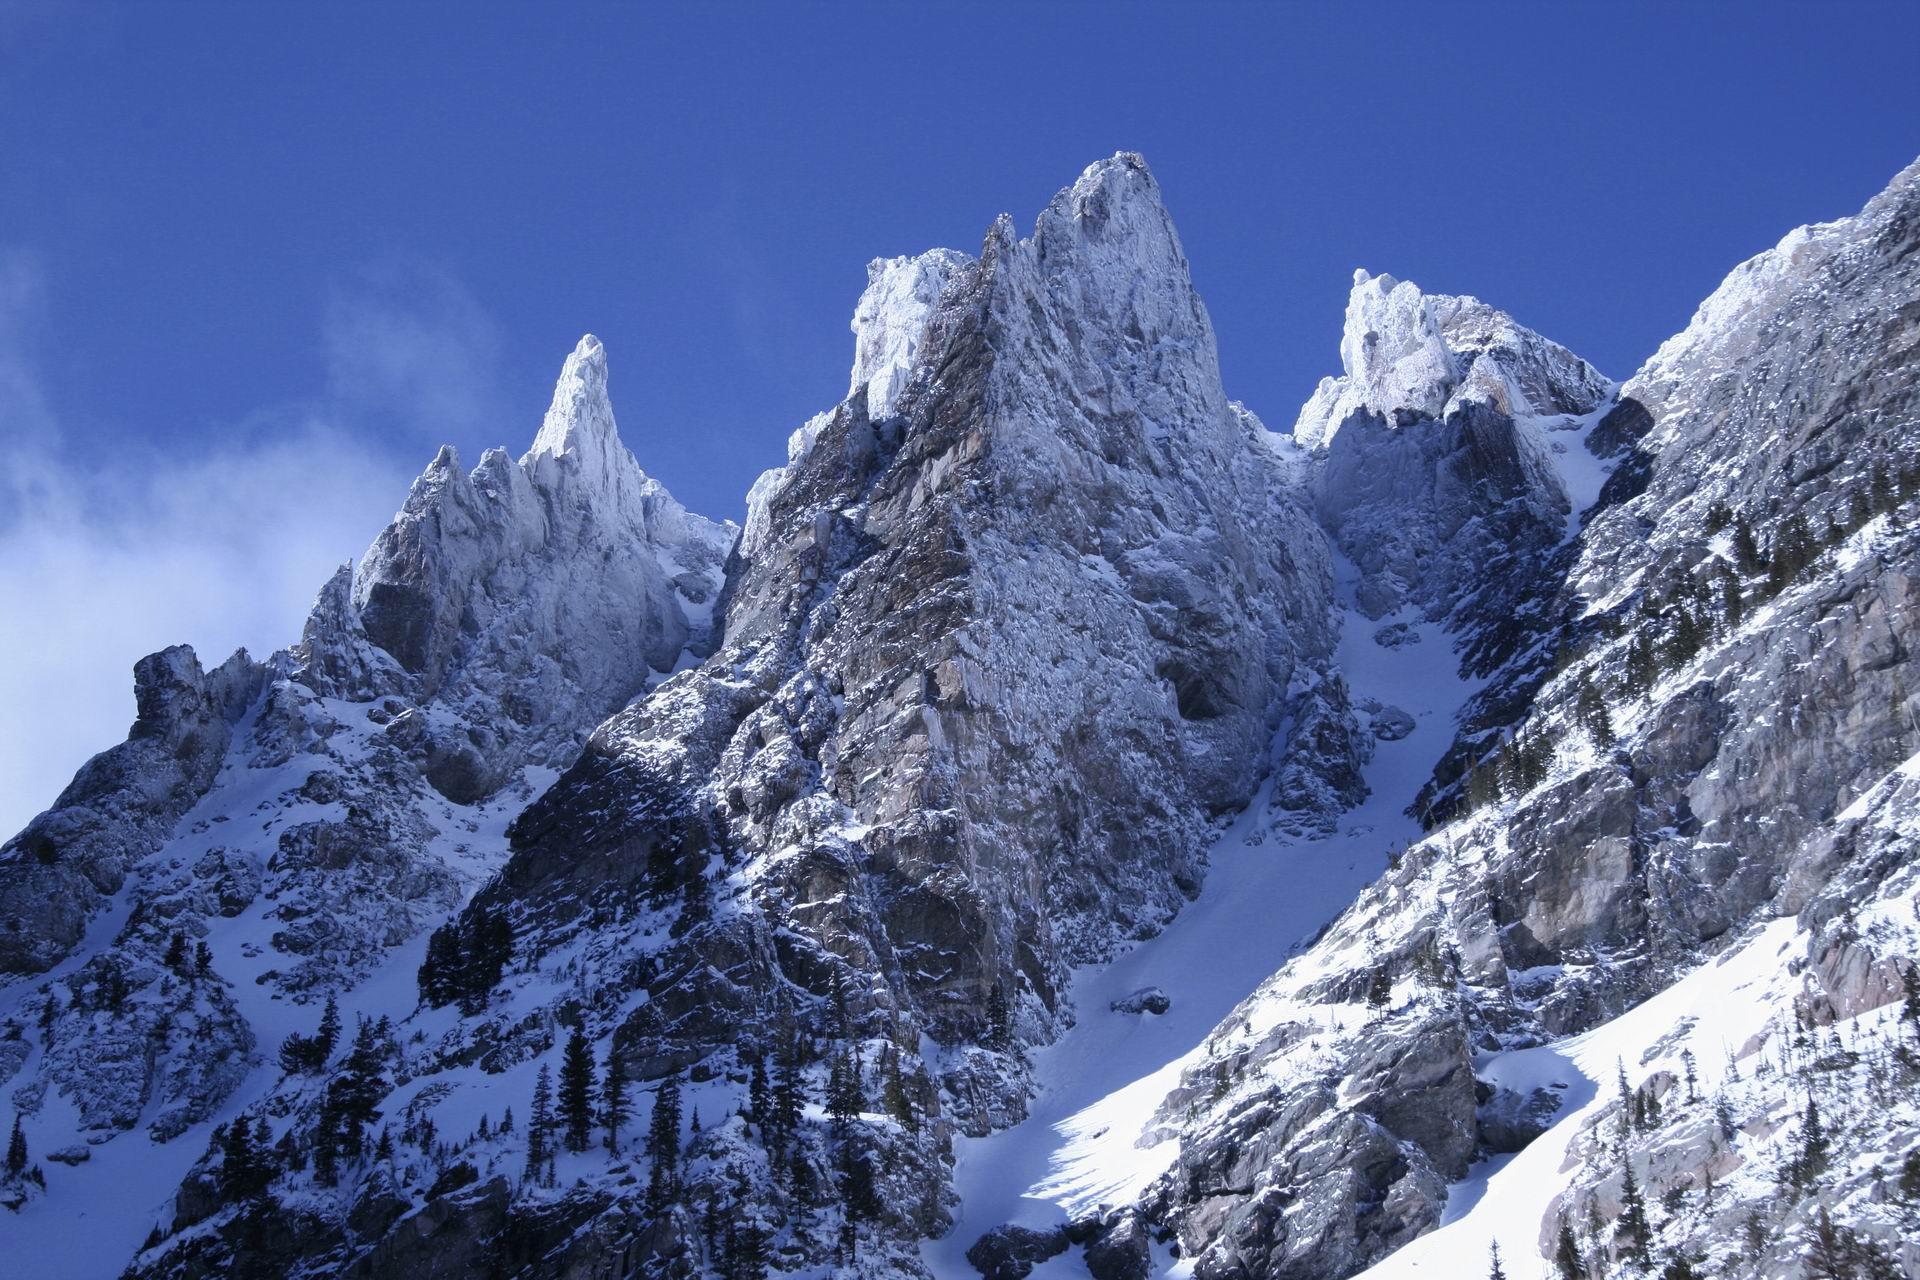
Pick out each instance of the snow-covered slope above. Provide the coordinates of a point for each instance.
(1080, 833)
(307, 819)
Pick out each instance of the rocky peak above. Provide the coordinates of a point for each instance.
(890, 322)
(1107, 248)
(579, 444)
(1409, 356)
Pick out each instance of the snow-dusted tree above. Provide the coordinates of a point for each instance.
(576, 1091)
(539, 1121)
(17, 1149)
(615, 1107)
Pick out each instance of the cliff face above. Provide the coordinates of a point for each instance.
(1708, 732)
(826, 833)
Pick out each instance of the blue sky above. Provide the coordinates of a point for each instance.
(257, 261)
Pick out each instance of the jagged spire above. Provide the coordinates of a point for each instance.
(579, 422)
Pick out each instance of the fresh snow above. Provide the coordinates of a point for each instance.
(1265, 897)
(1505, 1200)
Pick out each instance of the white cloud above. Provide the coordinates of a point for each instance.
(103, 560)
(409, 347)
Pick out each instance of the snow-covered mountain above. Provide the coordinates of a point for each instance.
(1068, 829)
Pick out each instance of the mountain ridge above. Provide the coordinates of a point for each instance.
(859, 791)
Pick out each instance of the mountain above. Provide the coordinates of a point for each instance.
(1069, 828)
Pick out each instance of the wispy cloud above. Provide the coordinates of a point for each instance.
(409, 347)
(103, 560)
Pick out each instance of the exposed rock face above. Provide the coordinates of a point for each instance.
(909, 790)
(278, 830)
(121, 805)
(527, 598)
(1017, 622)
(904, 663)
(1433, 453)
(1720, 796)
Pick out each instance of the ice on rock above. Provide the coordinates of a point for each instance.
(891, 320)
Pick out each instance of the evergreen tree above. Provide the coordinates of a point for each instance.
(663, 1130)
(1634, 1226)
(844, 1100)
(789, 1093)
(1566, 1254)
(1830, 1254)
(539, 1121)
(1910, 1008)
(1494, 1270)
(615, 1108)
(353, 1097)
(1733, 602)
(999, 1019)
(176, 957)
(1909, 1175)
(1811, 1160)
(202, 959)
(760, 1094)
(576, 1091)
(246, 1161)
(1746, 548)
(329, 1037)
(1380, 987)
(17, 1149)
(1680, 1267)
(1692, 1074)
(1880, 490)
(898, 1104)
(746, 1252)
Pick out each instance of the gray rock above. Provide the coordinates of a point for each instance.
(1145, 1000)
(1011, 1253)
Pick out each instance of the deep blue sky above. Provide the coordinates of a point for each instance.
(258, 260)
(703, 188)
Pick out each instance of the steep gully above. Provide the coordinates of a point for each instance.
(1264, 898)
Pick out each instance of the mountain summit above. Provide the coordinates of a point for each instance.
(1069, 828)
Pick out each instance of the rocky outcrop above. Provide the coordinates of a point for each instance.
(1684, 761)
(61, 869)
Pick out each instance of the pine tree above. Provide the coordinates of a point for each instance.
(614, 1105)
(17, 1149)
(1680, 1267)
(1494, 1270)
(538, 1123)
(329, 1036)
(1910, 1176)
(1566, 1254)
(1380, 987)
(999, 1019)
(1811, 1161)
(1910, 1008)
(1830, 1253)
(844, 1100)
(746, 1252)
(176, 957)
(576, 1091)
(202, 959)
(1733, 602)
(760, 1094)
(1692, 1074)
(898, 1104)
(789, 1093)
(1633, 1215)
(663, 1130)
(1746, 548)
